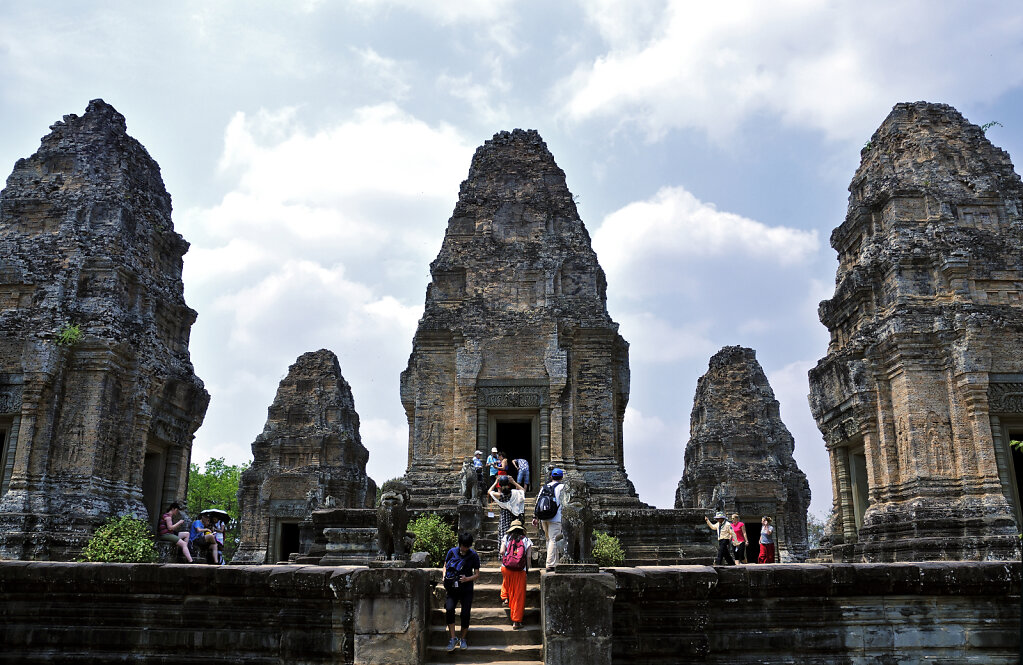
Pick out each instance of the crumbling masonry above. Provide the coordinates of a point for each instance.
(922, 387)
(99, 423)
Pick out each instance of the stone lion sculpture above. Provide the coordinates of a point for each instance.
(576, 540)
(393, 542)
(469, 482)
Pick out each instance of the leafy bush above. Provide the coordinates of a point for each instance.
(433, 536)
(69, 335)
(607, 550)
(123, 539)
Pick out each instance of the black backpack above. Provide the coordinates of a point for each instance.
(546, 502)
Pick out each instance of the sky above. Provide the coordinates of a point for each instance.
(313, 151)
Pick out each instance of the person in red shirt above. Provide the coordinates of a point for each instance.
(739, 539)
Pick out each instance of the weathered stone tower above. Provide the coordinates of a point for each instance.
(739, 455)
(308, 456)
(99, 425)
(922, 387)
(516, 349)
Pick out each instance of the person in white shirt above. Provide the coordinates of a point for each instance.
(552, 527)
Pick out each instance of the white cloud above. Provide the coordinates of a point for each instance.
(675, 226)
(385, 73)
(811, 63)
(791, 387)
(387, 442)
(653, 455)
(323, 240)
(654, 340)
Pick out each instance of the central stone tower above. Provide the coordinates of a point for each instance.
(516, 349)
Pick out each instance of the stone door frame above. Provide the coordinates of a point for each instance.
(510, 400)
(1005, 411)
(532, 416)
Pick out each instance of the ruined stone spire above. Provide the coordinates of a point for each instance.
(516, 330)
(515, 239)
(95, 423)
(309, 450)
(739, 454)
(926, 326)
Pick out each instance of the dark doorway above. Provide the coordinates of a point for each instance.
(753, 548)
(1017, 469)
(289, 540)
(515, 439)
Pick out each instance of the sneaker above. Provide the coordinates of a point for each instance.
(452, 644)
(462, 644)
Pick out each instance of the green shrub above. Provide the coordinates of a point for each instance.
(123, 539)
(69, 335)
(607, 550)
(433, 536)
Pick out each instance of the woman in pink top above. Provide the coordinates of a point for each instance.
(739, 538)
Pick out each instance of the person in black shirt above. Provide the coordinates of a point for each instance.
(461, 570)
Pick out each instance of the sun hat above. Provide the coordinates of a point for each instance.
(516, 525)
(557, 472)
(720, 516)
(479, 452)
(494, 449)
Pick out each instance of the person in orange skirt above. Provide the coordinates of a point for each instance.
(515, 552)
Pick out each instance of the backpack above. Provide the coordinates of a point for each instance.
(546, 503)
(514, 555)
(455, 562)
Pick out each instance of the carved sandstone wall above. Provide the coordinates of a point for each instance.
(922, 384)
(739, 455)
(516, 340)
(309, 450)
(103, 426)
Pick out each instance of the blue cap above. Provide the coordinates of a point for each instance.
(557, 472)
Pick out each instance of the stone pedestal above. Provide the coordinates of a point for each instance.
(390, 606)
(578, 610)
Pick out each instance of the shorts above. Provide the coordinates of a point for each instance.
(169, 537)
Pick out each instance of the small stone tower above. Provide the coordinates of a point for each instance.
(308, 456)
(922, 387)
(516, 349)
(98, 398)
(739, 455)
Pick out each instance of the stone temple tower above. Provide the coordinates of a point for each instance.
(739, 455)
(516, 349)
(922, 387)
(309, 456)
(100, 424)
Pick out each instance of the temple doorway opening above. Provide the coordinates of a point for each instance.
(288, 542)
(515, 436)
(1016, 473)
(753, 536)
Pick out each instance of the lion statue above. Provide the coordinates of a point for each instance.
(576, 541)
(469, 482)
(393, 542)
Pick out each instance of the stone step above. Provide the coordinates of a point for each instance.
(489, 595)
(489, 635)
(487, 616)
(514, 653)
(492, 575)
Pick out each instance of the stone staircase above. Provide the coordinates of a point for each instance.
(488, 543)
(491, 638)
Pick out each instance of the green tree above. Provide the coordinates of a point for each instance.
(216, 486)
(816, 527)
